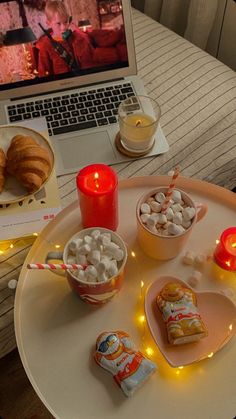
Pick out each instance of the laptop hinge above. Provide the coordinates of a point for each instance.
(66, 89)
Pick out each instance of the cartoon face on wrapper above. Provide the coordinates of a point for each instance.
(109, 344)
(116, 353)
(172, 292)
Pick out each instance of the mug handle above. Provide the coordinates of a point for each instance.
(58, 256)
(201, 210)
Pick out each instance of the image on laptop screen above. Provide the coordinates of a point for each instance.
(45, 41)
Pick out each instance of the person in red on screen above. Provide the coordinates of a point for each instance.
(67, 50)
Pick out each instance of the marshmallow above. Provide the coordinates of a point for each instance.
(12, 284)
(80, 275)
(103, 240)
(103, 265)
(176, 196)
(102, 277)
(165, 226)
(160, 197)
(176, 207)
(186, 224)
(88, 240)
(90, 273)
(74, 245)
(152, 220)
(174, 229)
(177, 218)
(155, 206)
(113, 270)
(153, 230)
(111, 246)
(144, 218)
(81, 259)
(114, 251)
(95, 234)
(209, 253)
(200, 260)
(145, 208)
(162, 232)
(161, 219)
(84, 249)
(118, 255)
(150, 199)
(188, 213)
(188, 258)
(94, 257)
(108, 235)
(194, 279)
(169, 214)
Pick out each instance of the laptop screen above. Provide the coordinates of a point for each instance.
(45, 44)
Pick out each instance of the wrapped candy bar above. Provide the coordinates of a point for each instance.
(178, 305)
(116, 353)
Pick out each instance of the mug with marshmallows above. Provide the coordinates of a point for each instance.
(162, 235)
(101, 255)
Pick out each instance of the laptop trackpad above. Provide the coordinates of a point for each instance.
(84, 149)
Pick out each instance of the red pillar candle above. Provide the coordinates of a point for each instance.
(225, 252)
(97, 187)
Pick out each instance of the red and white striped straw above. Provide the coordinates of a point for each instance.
(169, 192)
(55, 266)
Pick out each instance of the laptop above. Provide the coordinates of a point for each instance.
(80, 104)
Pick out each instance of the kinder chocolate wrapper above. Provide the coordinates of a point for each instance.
(116, 353)
(178, 305)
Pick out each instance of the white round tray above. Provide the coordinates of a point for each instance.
(56, 332)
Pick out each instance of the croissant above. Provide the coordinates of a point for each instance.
(30, 163)
(2, 169)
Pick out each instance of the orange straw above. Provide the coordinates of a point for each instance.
(169, 193)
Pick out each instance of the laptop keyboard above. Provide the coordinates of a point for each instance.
(74, 111)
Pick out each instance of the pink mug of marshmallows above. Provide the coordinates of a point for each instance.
(162, 236)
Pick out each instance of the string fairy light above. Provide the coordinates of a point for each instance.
(149, 351)
(7, 245)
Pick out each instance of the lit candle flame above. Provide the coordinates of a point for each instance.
(234, 245)
(96, 177)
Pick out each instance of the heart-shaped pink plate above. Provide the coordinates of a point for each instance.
(217, 311)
